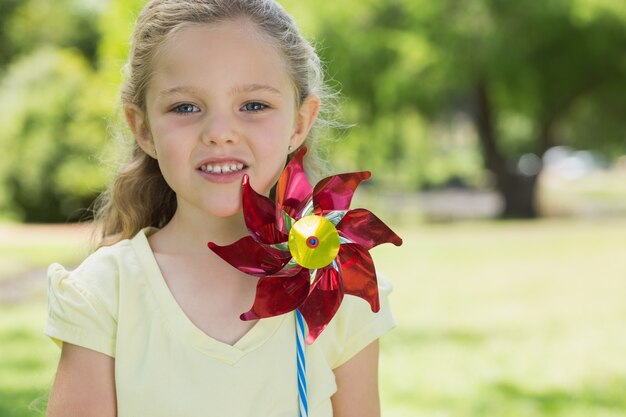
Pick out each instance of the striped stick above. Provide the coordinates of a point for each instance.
(302, 390)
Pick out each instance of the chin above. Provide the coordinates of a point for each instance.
(223, 210)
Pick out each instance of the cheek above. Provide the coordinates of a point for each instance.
(276, 131)
(270, 161)
(273, 139)
(170, 136)
(173, 153)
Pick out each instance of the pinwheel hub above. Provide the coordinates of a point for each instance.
(313, 242)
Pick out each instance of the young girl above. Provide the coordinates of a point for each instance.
(149, 323)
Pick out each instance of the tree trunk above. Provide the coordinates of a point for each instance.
(519, 195)
(517, 190)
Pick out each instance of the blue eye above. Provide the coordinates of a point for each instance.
(185, 108)
(254, 106)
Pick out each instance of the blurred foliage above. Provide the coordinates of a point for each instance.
(437, 91)
(48, 169)
(7, 8)
(31, 24)
(57, 99)
(526, 75)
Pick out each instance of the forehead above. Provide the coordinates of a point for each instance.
(221, 55)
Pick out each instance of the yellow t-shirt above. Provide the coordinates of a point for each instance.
(117, 303)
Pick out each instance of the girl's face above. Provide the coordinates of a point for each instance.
(220, 104)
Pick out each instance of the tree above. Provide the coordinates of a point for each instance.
(529, 75)
(57, 100)
(532, 64)
(7, 8)
(32, 24)
(526, 76)
(47, 169)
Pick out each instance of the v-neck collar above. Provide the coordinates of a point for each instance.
(180, 324)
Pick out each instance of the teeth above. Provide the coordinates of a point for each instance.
(222, 169)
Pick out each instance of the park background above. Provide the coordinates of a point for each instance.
(496, 134)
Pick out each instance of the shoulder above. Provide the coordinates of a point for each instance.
(84, 303)
(355, 325)
(99, 270)
(97, 278)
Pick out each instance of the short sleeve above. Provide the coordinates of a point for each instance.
(79, 314)
(355, 326)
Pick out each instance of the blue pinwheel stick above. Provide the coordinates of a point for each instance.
(300, 353)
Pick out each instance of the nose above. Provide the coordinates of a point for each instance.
(219, 128)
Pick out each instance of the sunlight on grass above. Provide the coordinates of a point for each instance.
(35, 247)
(17, 260)
(519, 318)
(599, 192)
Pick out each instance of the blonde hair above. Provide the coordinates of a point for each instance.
(139, 196)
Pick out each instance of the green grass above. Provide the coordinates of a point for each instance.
(27, 360)
(520, 319)
(507, 319)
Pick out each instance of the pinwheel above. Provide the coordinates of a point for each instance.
(308, 247)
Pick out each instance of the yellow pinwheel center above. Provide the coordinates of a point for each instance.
(313, 242)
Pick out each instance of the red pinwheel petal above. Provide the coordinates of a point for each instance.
(323, 302)
(293, 187)
(278, 295)
(359, 274)
(249, 256)
(259, 213)
(363, 227)
(335, 192)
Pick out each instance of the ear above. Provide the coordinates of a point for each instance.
(138, 124)
(307, 113)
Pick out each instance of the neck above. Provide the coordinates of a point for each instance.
(190, 231)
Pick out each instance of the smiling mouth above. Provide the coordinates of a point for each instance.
(223, 168)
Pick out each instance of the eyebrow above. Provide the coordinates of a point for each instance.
(250, 88)
(247, 88)
(181, 89)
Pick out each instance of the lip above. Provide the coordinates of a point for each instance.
(222, 160)
(222, 177)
